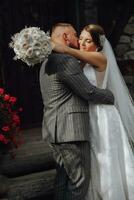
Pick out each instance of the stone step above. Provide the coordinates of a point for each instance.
(32, 186)
(31, 135)
(29, 157)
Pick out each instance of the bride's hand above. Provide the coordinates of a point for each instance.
(59, 48)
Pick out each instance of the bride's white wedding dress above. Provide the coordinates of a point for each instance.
(112, 160)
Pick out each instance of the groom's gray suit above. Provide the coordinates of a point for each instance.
(66, 93)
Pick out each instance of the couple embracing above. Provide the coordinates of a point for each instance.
(88, 117)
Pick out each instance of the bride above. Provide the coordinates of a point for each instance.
(112, 127)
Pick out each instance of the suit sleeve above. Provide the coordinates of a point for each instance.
(71, 74)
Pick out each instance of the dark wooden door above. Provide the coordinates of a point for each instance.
(18, 79)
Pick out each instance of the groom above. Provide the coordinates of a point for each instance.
(66, 93)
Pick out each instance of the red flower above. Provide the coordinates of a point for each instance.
(6, 97)
(16, 119)
(9, 120)
(1, 91)
(5, 128)
(13, 100)
(3, 139)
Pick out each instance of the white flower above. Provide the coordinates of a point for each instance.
(31, 45)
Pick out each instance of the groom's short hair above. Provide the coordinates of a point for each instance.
(60, 25)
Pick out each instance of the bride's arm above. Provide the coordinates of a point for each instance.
(97, 59)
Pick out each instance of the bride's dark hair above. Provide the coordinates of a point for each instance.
(96, 31)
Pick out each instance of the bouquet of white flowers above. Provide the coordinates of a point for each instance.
(31, 45)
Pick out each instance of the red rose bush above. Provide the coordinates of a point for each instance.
(9, 120)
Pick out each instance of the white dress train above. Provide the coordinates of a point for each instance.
(112, 159)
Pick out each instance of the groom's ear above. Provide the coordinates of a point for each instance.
(65, 37)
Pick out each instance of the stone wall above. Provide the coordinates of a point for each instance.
(125, 54)
(125, 48)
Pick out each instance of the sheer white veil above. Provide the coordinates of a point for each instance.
(114, 81)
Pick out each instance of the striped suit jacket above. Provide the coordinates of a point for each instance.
(66, 93)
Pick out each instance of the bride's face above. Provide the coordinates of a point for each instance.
(85, 42)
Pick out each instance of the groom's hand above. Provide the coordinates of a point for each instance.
(110, 96)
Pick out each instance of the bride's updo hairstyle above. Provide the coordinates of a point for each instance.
(96, 32)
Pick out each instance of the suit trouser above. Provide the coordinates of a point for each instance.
(73, 170)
